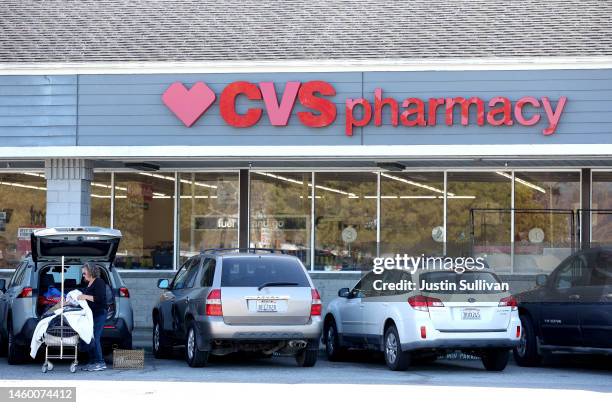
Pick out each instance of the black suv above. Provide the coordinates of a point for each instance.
(570, 310)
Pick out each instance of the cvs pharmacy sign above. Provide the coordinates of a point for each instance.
(316, 108)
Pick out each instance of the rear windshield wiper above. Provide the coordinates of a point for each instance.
(264, 285)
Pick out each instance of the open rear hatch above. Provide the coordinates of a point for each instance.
(86, 243)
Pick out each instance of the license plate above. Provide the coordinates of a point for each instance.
(471, 314)
(266, 306)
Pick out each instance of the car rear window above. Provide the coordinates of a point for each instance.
(468, 276)
(256, 271)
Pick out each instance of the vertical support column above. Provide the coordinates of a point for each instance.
(444, 213)
(243, 220)
(312, 221)
(512, 224)
(176, 226)
(378, 189)
(68, 192)
(585, 205)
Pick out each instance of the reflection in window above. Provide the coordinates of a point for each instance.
(411, 213)
(280, 212)
(543, 238)
(345, 221)
(601, 205)
(144, 208)
(23, 203)
(101, 195)
(480, 201)
(208, 212)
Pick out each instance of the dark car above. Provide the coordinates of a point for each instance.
(570, 310)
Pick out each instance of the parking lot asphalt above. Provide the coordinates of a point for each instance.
(562, 373)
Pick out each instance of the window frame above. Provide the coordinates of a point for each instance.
(208, 270)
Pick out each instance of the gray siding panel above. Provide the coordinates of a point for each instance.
(126, 110)
(38, 110)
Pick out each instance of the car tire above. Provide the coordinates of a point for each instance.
(395, 358)
(333, 349)
(496, 359)
(425, 359)
(526, 353)
(3, 346)
(14, 352)
(194, 357)
(127, 343)
(307, 357)
(160, 349)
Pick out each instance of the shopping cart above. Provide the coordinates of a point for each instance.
(60, 338)
(62, 343)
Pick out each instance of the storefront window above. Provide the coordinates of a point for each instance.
(345, 221)
(23, 203)
(280, 212)
(101, 196)
(144, 208)
(601, 215)
(479, 203)
(209, 209)
(544, 224)
(411, 213)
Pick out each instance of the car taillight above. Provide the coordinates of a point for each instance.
(213, 303)
(423, 303)
(25, 292)
(315, 307)
(509, 301)
(124, 292)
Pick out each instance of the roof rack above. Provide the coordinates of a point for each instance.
(247, 250)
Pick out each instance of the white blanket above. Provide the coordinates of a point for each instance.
(81, 322)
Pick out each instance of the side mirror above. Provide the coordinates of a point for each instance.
(163, 283)
(2, 285)
(344, 292)
(541, 280)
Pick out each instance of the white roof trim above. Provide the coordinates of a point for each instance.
(339, 152)
(443, 64)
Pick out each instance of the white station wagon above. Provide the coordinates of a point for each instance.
(468, 312)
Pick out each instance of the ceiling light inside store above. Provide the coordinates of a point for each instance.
(333, 190)
(521, 181)
(6, 183)
(414, 183)
(185, 181)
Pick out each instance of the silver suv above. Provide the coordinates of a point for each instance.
(36, 282)
(224, 301)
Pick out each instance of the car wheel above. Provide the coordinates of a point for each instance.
(160, 349)
(15, 353)
(334, 351)
(526, 353)
(195, 357)
(307, 357)
(495, 360)
(396, 359)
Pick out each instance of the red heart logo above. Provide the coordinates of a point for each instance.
(188, 104)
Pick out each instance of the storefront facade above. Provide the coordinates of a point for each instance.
(335, 167)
